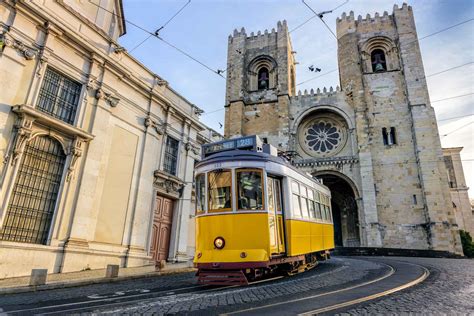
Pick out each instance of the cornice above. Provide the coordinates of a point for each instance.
(316, 162)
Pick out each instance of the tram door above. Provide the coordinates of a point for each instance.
(275, 216)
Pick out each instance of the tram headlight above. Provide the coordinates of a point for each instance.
(219, 242)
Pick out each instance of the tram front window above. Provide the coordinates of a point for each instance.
(220, 185)
(201, 193)
(249, 190)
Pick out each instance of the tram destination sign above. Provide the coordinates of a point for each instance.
(252, 143)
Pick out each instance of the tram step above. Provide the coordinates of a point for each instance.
(222, 277)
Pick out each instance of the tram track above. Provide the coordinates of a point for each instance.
(348, 295)
(397, 276)
(100, 303)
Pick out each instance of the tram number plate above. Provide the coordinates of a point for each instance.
(218, 165)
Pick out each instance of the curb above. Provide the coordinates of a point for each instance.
(68, 284)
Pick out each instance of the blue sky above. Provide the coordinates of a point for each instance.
(203, 27)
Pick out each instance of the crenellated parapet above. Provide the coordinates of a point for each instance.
(318, 93)
(282, 27)
(347, 22)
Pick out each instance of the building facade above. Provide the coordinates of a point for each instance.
(374, 141)
(97, 151)
(458, 189)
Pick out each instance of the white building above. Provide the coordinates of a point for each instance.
(98, 151)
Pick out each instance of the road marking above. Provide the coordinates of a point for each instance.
(98, 300)
(392, 271)
(119, 293)
(370, 297)
(136, 301)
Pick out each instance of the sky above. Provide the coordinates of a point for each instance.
(202, 28)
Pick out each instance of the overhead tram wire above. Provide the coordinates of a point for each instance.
(313, 78)
(421, 38)
(307, 20)
(457, 129)
(162, 27)
(449, 69)
(454, 97)
(455, 117)
(316, 16)
(161, 39)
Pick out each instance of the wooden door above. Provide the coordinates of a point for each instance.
(160, 240)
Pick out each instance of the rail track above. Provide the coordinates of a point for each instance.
(397, 276)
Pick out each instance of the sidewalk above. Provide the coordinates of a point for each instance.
(71, 279)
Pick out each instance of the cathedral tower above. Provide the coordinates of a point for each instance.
(260, 80)
(374, 140)
(400, 154)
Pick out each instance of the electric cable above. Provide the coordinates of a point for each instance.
(454, 97)
(457, 129)
(162, 27)
(153, 34)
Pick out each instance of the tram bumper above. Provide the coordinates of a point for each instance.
(231, 259)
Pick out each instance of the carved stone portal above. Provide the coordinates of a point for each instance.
(168, 184)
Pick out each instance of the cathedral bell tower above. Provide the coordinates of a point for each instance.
(403, 176)
(260, 81)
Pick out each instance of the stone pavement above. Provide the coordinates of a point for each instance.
(81, 278)
(448, 290)
(333, 273)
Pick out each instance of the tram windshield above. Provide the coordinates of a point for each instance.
(249, 190)
(220, 196)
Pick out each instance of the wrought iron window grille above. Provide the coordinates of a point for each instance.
(59, 96)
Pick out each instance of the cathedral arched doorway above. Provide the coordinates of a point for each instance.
(344, 209)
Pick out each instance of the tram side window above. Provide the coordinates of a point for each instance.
(323, 208)
(311, 209)
(317, 205)
(304, 201)
(296, 199)
(201, 193)
(249, 190)
(220, 188)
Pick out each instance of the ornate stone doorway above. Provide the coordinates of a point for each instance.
(344, 211)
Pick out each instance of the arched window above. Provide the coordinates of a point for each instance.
(31, 207)
(379, 63)
(263, 79)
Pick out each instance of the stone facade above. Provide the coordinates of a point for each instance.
(459, 189)
(374, 141)
(108, 145)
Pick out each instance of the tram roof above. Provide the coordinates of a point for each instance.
(247, 155)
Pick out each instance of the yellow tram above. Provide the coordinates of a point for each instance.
(256, 214)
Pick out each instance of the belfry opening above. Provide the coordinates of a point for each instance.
(344, 211)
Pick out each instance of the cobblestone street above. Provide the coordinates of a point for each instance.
(449, 288)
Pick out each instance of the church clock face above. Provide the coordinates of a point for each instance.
(322, 136)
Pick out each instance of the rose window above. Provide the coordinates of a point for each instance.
(323, 137)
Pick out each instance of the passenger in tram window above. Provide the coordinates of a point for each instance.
(249, 188)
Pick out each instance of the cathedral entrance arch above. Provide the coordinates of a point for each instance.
(344, 208)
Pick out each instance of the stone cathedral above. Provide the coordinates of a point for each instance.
(373, 141)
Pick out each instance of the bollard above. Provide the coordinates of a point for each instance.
(112, 271)
(38, 277)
